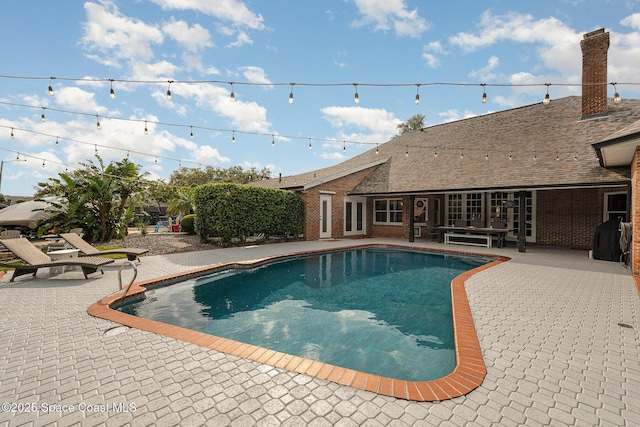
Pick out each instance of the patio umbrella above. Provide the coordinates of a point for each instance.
(28, 214)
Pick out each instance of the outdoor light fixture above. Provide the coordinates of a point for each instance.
(233, 137)
(462, 154)
(191, 132)
(310, 144)
(377, 152)
(547, 99)
(344, 146)
(233, 95)
(291, 94)
(417, 101)
(356, 97)
(616, 96)
(146, 131)
(98, 123)
(169, 90)
(112, 93)
(57, 142)
(51, 93)
(273, 141)
(42, 119)
(95, 150)
(484, 93)
(12, 135)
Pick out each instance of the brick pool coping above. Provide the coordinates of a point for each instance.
(468, 374)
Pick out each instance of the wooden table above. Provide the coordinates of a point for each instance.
(498, 233)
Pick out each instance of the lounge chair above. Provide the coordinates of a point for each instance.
(26, 251)
(87, 250)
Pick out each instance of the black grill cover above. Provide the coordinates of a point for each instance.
(606, 241)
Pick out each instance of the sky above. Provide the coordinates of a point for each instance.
(322, 52)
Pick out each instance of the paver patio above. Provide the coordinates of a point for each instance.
(548, 324)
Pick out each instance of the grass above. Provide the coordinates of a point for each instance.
(112, 256)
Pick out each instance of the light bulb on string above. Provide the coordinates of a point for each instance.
(43, 163)
(169, 90)
(42, 118)
(51, 93)
(557, 156)
(155, 160)
(291, 94)
(535, 156)
(112, 93)
(377, 151)
(487, 156)
(17, 156)
(273, 141)
(146, 130)
(417, 100)
(616, 96)
(233, 137)
(344, 146)
(12, 135)
(127, 154)
(95, 150)
(57, 142)
(547, 99)
(462, 154)
(98, 123)
(191, 132)
(435, 153)
(310, 144)
(510, 158)
(232, 96)
(356, 97)
(484, 93)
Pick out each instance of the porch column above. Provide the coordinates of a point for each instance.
(522, 229)
(412, 202)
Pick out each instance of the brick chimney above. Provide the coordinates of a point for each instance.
(594, 47)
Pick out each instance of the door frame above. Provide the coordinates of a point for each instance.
(326, 214)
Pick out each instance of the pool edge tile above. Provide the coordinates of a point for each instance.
(468, 374)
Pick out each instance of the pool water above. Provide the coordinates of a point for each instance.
(376, 310)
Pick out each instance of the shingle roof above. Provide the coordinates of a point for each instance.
(522, 145)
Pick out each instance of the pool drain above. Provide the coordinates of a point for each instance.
(116, 330)
(625, 325)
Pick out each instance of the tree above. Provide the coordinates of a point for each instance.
(189, 177)
(100, 196)
(414, 123)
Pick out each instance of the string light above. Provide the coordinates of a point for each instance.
(344, 146)
(232, 96)
(417, 100)
(95, 150)
(547, 99)
(169, 90)
(191, 132)
(535, 156)
(156, 160)
(12, 135)
(146, 130)
(435, 153)
(291, 94)
(98, 123)
(273, 141)
(57, 142)
(51, 93)
(510, 157)
(112, 93)
(310, 144)
(43, 163)
(487, 156)
(356, 97)
(377, 151)
(233, 137)
(406, 153)
(484, 93)
(616, 96)
(42, 119)
(462, 154)
(557, 156)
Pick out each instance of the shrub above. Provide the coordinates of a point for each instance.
(188, 224)
(238, 211)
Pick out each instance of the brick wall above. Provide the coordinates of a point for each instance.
(594, 70)
(569, 218)
(341, 187)
(635, 212)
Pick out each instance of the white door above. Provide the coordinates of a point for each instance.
(354, 216)
(325, 216)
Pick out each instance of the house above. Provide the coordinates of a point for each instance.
(555, 171)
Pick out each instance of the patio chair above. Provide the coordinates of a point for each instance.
(10, 234)
(35, 258)
(86, 249)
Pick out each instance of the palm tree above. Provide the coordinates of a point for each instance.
(415, 122)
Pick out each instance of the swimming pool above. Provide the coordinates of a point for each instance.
(377, 310)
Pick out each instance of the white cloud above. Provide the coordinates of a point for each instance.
(230, 10)
(117, 37)
(76, 99)
(485, 73)
(376, 120)
(391, 14)
(193, 39)
(430, 50)
(242, 39)
(208, 154)
(455, 115)
(255, 74)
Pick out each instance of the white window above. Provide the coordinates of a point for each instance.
(465, 207)
(615, 206)
(387, 211)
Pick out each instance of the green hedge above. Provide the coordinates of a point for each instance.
(188, 224)
(237, 211)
